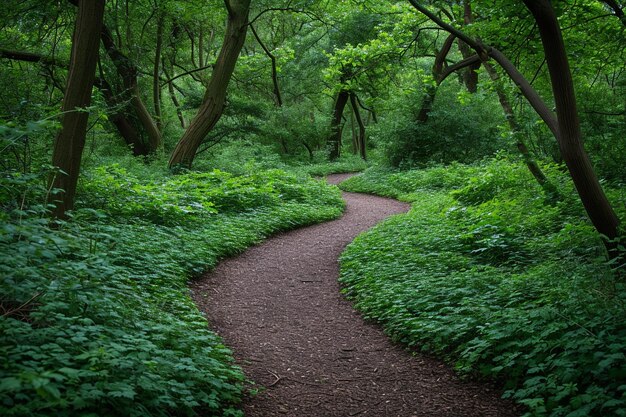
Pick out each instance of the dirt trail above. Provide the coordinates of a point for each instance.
(278, 306)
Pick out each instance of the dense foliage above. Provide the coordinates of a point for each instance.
(486, 272)
(96, 316)
(505, 278)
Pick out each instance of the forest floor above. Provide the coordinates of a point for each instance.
(279, 307)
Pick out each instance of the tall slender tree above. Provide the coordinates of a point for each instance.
(69, 144)
(213, 103)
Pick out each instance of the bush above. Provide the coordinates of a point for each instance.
(500, 283)
(461, 127)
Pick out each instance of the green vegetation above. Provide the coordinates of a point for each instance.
(97, 319)
(137, 148)
(486, 273)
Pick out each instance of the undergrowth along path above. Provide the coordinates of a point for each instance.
(279, 307)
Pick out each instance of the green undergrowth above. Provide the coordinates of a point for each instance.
(96, 318)
(487, 273)
(347, 163)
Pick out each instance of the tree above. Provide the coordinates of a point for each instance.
(213, 103)
(570, 136)
(565, 125)
(69, 144)
(127, 71)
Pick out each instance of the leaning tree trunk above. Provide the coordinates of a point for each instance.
(360, 138)
(530, 162)
(570, 136)
(69, 144)
(431, 90)
(334, 141)
(120, 119)
(213, 104)
(128, 72)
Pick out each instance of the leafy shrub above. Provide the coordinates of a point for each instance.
(461, 127)
(499, 283)
(347, 163)
(96, 316)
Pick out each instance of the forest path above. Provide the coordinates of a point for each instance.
(278, 306)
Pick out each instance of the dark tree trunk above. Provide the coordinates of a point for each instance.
(156, 82)
(213, 104)
(69, 144)
(121, 121)
(470, 76)
(360, 139)
(334, 141)
(277, 96)
(128, 72)
(570, 136)
(437, 72)
(170, 89)
(617, 10)
(308, 148)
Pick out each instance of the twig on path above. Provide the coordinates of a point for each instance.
(278, 378)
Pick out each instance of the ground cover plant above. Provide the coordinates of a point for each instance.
(96, 316)
(501, 281)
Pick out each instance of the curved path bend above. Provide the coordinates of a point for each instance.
(279, 308)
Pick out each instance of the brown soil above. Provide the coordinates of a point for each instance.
(279, 308)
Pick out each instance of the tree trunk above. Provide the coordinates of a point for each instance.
(69, 144)
(617, 10)
(334, 141)
(124, 126)
(470, 76)
(437, 71)
(570, 136)
(360, 139)
(156, 82)
(170, 89)
(213, 104)
(128, 72)
(530, 162)
(277, 96)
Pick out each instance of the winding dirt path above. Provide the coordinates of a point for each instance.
(278, 306)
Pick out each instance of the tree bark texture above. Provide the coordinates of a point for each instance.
(213, 104)
(591, 193)
(360, 138)
(69, 144)
(334, 141)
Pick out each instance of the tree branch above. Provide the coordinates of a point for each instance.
(186, 73)
(31, 57)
